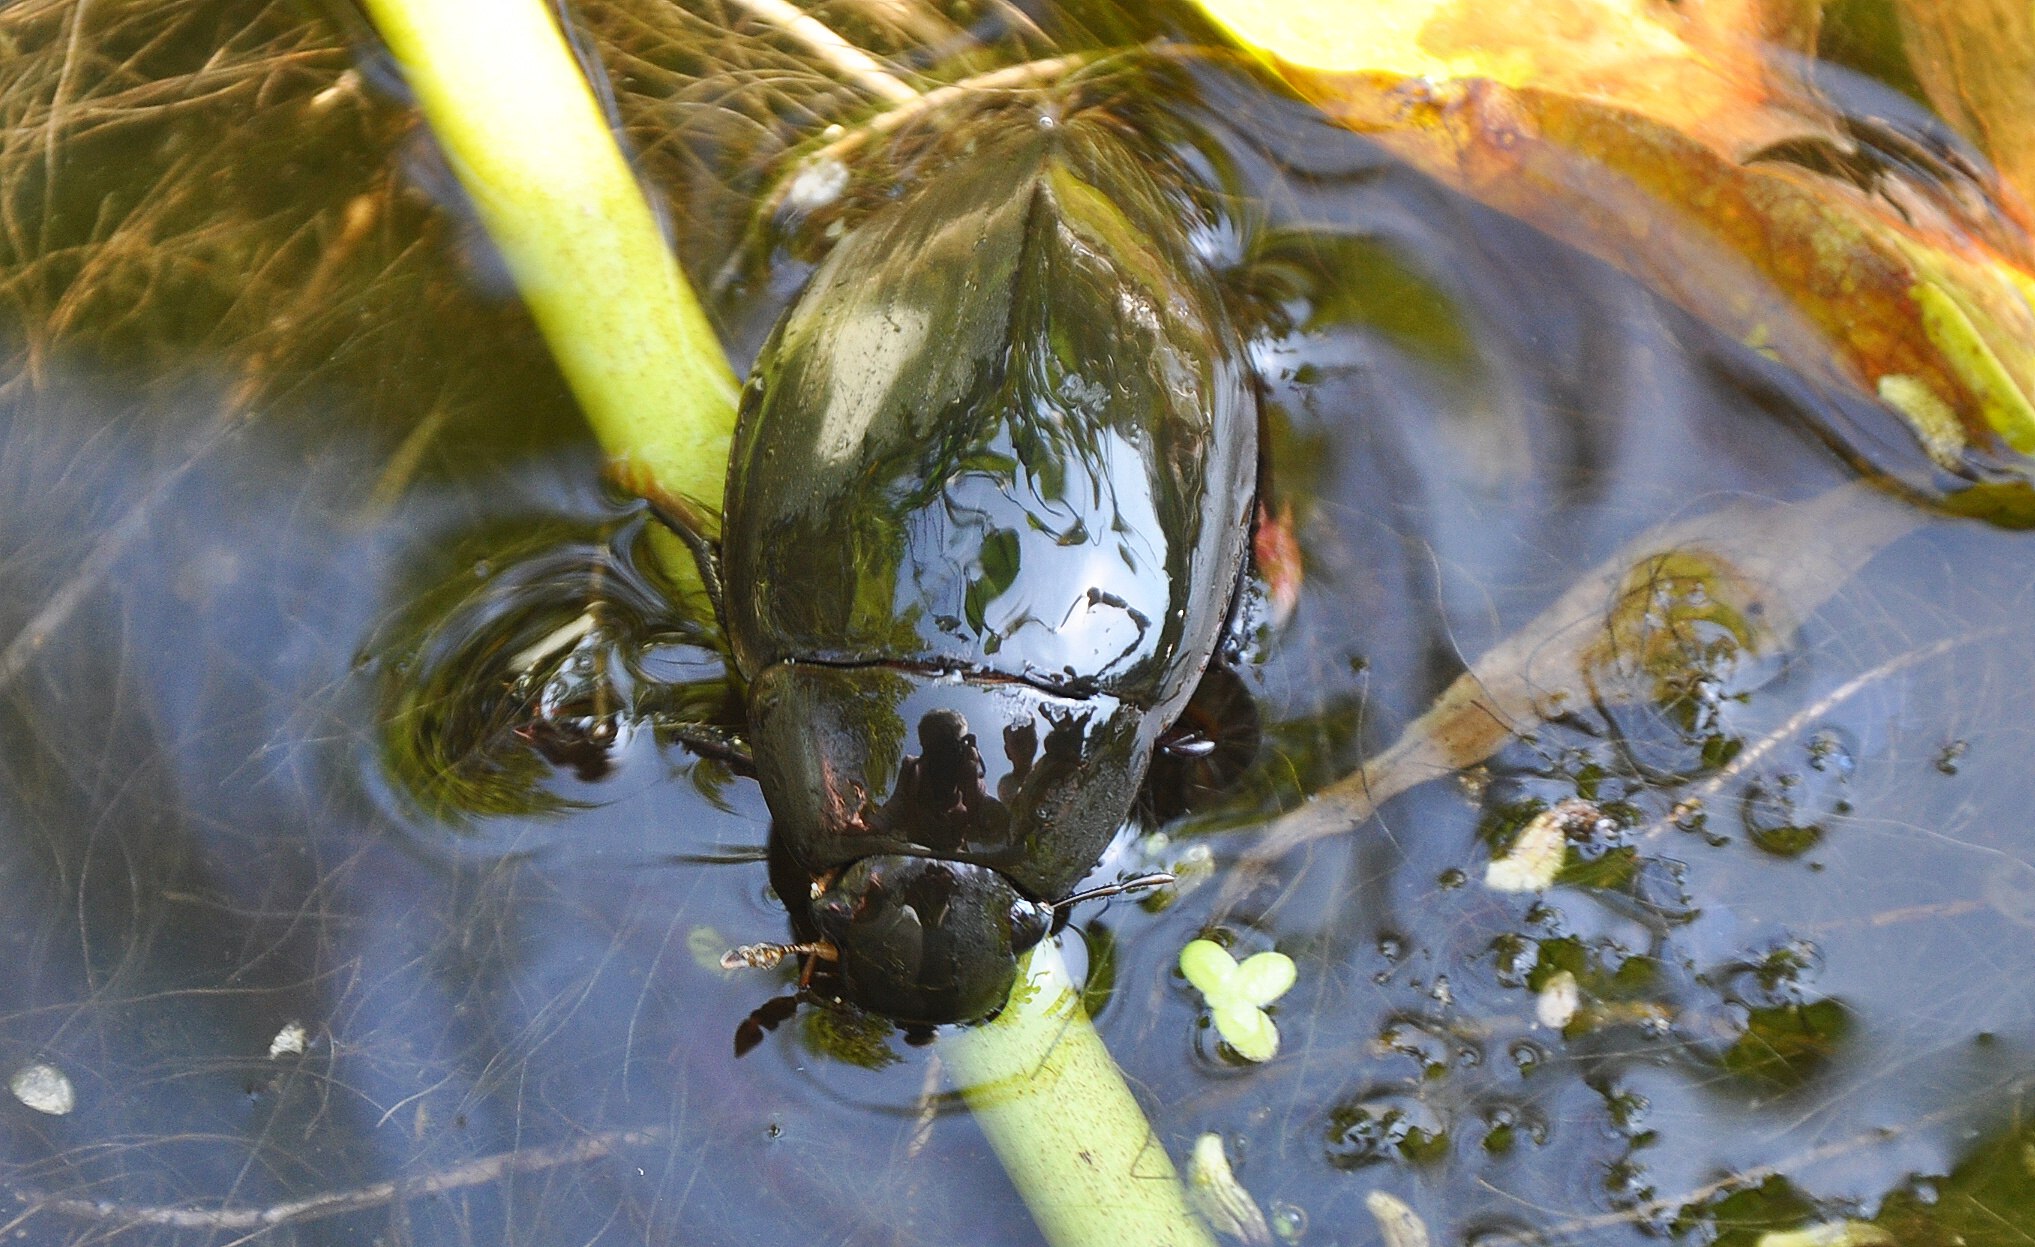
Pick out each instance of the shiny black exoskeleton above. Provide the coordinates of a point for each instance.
(988, 506)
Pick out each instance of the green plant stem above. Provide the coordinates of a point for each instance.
(1061, 1118)
(523, 133)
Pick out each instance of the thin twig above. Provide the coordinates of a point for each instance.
(819, 39)
(376, 1194)
(105, 554)
(73, 49)
(1796, 723)
(1009, 78)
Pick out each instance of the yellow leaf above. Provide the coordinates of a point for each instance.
(1698, 64)
(1655, 136)
(1976, 59)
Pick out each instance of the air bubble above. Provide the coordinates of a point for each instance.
(1289, 1221)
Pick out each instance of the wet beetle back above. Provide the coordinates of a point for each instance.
(988, 506)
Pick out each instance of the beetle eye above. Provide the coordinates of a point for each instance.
(1029, 923)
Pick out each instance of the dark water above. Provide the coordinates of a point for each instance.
(287, 485)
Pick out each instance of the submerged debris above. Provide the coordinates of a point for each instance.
(291, 1040)
(1398, 1223)
(1536, 856)
(1558, 1001)
(1221, 1200)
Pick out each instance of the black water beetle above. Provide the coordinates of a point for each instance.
(987, 510)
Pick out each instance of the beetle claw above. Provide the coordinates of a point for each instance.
(764, 956)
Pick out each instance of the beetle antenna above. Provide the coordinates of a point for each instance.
(1138, 884)
(764, 956)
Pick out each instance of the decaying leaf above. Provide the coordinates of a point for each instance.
(1976, 59)
(1829, 1234)
(1700, 67)
(1669, 140)
(1221, 1200)
(1398, 1224)
(1747, 576)
(1537, 852)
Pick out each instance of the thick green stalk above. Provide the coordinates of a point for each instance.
(526, 138)
(523, 133)
(1064, 1123)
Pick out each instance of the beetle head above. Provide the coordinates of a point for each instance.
(940, 813)
(925, 940)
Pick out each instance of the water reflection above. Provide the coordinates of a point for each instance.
(881, 760)
(517, 686)
(1056, 487)
(940, 789)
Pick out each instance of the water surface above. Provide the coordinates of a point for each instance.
(287, 485)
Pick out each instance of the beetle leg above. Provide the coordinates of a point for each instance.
(766, 956)
(704, 554)
(707, 741)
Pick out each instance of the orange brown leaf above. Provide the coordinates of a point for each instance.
(1668, 140)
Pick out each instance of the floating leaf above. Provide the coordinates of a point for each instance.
(1784, 1046)
(1976, 60)
(1265, 977)
(1237, 994)
(1666, 140)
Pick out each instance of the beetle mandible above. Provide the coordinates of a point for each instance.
(987, 509)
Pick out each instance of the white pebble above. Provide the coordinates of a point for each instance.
(43, 1088)
(817, 185)
(289, 1041)
(1558, 1001)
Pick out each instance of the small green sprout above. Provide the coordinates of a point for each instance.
(1237, 994)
